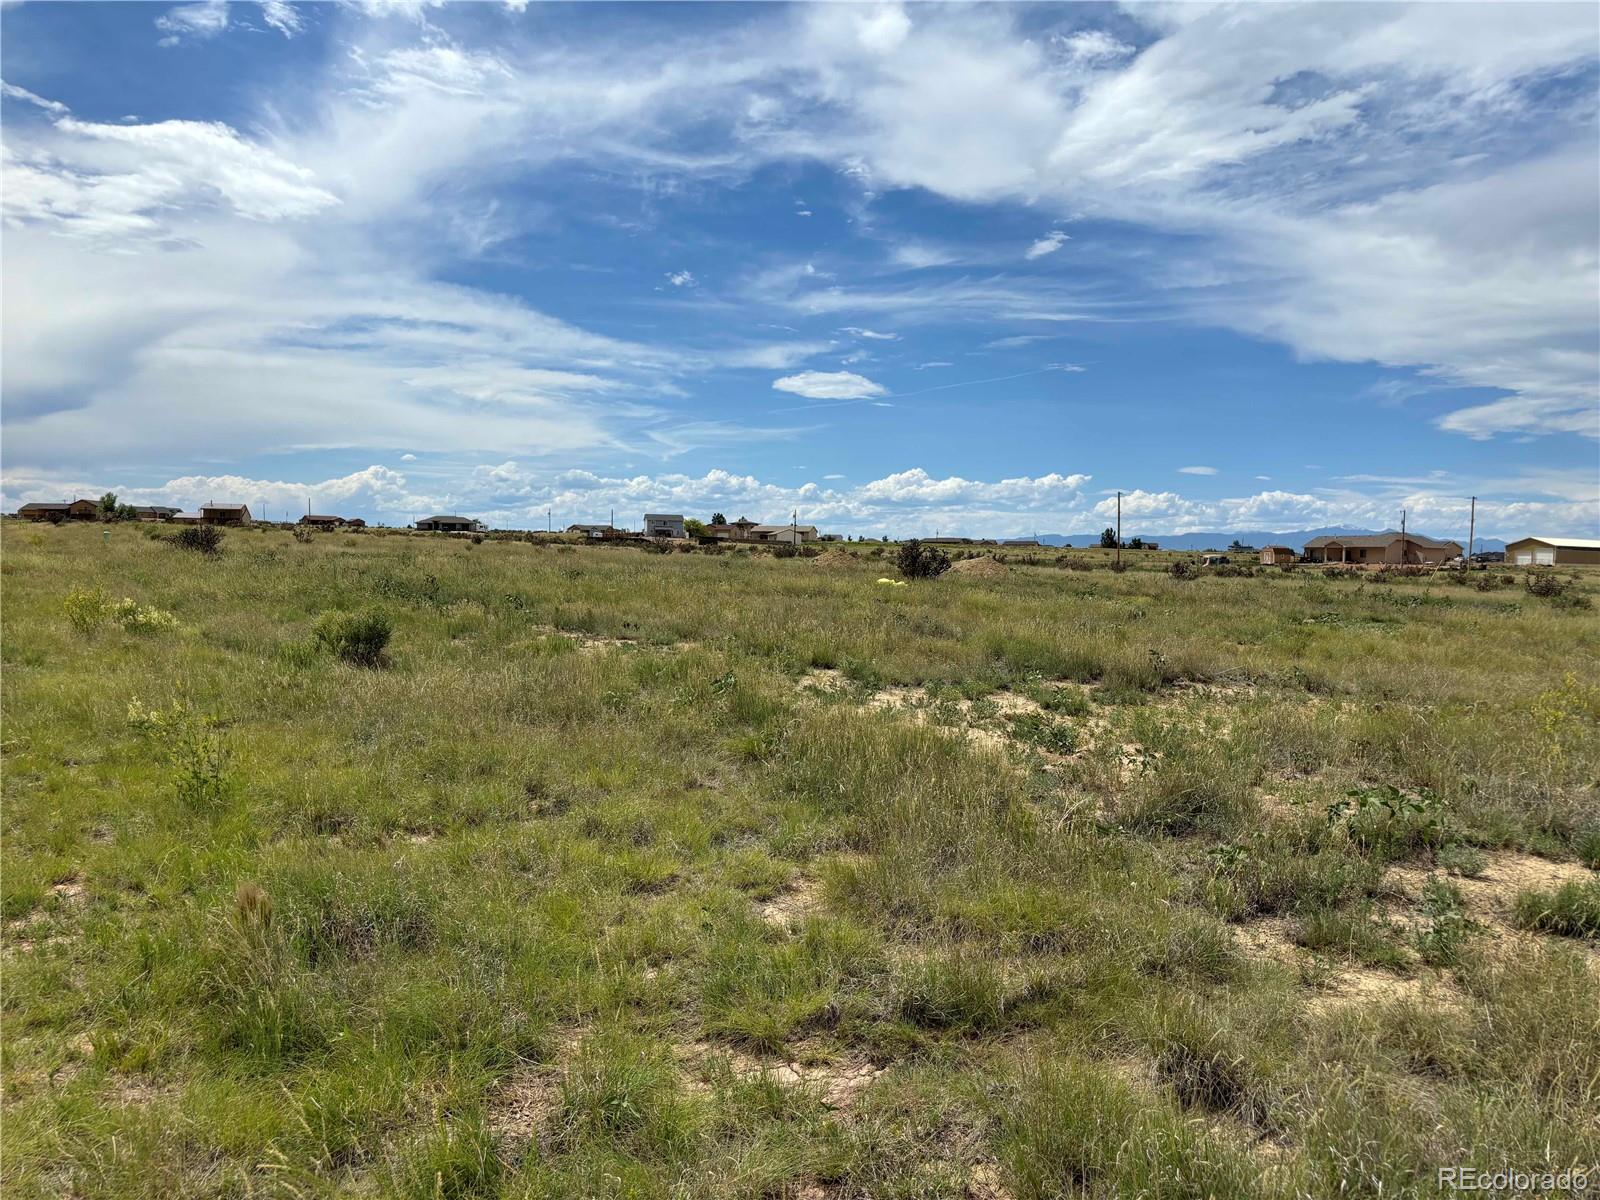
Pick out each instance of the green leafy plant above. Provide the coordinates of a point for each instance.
(192, 745)
(1442, 939)
(87, 608)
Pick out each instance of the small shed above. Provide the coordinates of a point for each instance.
(1554, 552)
(1278, 556)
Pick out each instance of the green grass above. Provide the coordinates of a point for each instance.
(407, 866)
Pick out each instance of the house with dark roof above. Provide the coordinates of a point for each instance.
(664, 525)
(321, 521)
(448, 524)
(225, 514)
(1389, 548)
(155, 512)
(71, 510)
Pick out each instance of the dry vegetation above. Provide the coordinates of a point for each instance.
(550, 871)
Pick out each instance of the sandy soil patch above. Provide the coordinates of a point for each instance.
(835, 560)
(838, 1080)
(520, 1107)
(792, 905)
(1491, 897)
(980, 568)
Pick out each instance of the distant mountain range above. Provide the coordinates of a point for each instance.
(1250, 537)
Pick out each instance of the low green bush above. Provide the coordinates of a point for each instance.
(358, 638)
(1572, 910)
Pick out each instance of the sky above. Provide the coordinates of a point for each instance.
(905, 270)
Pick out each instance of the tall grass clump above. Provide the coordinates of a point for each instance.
(358, 638)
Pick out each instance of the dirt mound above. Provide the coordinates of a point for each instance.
(981, 568)
(834, 560)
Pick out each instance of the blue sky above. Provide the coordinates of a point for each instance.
(901, 269)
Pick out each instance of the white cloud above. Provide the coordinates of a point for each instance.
(1197, 470)
(193, 22)
(282, 16)
(828, 385)
(1048, 244)
(871, 335)
(22, 93)
(408, 458)
(680, 278)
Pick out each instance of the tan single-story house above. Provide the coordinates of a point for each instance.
(447, 524)
(791, 534)
(71, 510)
(321, 521)
(155, 512)
(1390, 548)
(1554, 552)
(187, 518)
(1277, 556)
(225, 514)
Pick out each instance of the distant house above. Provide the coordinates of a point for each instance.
(589, 531)
(154, 512)
(225, 514)
(321, 521)
(1020, 542)
(730, 531)
(1553, 552)
(664, 525)
(790, 534)
(1277, 556)
(1381, 549)
(1149, 545)
(447, 524)
(355, 523)
(72, 510)
(187, 518)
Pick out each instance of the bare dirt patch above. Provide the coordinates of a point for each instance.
(835, 560)
(792, 905)
(520, 1107)
(1491, 897)
(838, 1080)
(1338, 983)
(980, 568)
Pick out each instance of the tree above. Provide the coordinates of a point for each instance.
(1136, 543)
(1108, 539)
(108, 505)
(694, 528)
(917, 561)
(1238, 547)
(716, 519)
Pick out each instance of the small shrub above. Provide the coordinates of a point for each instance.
(1467, 861)
(1183, 569)
(202, 539)
(477, 539)
(192, 744)
(1572, 910)
(1045, 732)
(785, 550)
(358, 638)
(87, 608)
(917, 561)
(1546, 584)
(302, 533)
(1441, 940)
(141, 618)
(658, 545)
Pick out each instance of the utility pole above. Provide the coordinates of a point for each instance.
(1472, 528)
(1403, 542)
(1119, 529)
(547, 525)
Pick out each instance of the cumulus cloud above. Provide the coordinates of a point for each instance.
(1048, 244)
(829, 385)
(680, 278)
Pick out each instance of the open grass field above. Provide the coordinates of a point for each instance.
(624, 874)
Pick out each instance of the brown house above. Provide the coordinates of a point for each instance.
(1277, 556)
(225, 514)
(1389, 549)
(74, 510)
(447, 524)
(317, 521)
